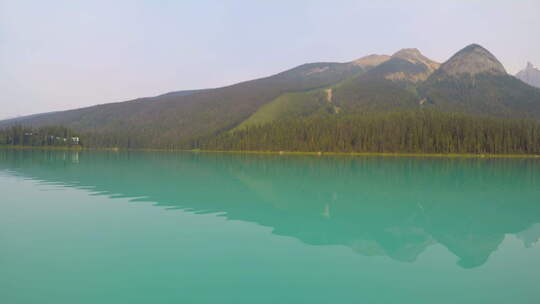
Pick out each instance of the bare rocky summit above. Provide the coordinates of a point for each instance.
(411, 65)
(371, 60)
(414, 56)
(472, 60)
(530, 75)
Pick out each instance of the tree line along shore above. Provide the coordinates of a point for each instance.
(405, 133)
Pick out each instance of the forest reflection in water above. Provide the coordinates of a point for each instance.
(377, 206)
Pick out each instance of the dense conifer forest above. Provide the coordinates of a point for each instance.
(422, 131)
(406, 132)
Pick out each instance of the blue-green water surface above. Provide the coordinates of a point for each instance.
(134, 227)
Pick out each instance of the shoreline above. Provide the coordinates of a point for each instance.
(380, 154)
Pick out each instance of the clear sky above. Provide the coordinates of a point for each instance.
(57, 55)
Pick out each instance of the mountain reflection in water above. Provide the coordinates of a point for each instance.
(395, 207)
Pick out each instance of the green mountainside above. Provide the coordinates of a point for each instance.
(289, 106)
(389, 85)
(483, 94)
(410, 81)
(289, 110)
(473, 81)
(174, 120)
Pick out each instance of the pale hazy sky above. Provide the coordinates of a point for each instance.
(57, 55)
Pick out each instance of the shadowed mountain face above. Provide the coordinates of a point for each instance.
(375, 206)
(530, 75)
(389, 86)
(473, 81)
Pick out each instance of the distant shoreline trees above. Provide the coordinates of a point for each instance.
(422, 131)
(43, 136)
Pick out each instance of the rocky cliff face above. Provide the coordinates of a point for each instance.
(472, 60)
(530, 75)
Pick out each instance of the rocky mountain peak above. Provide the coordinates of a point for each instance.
(530, 75)
(414, 56)
(407, 53)
(472, 60)
(407, 65)
(371, 60)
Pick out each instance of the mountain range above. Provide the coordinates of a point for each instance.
(472, 82)
(530, 75)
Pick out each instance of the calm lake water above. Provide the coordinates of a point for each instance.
(105, 227)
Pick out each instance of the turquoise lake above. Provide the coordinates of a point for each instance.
(137, 227)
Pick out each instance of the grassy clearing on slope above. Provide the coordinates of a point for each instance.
(298, 105)
(289, 105)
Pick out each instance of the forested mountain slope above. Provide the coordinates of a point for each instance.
(174, 118)
(473, 81)
(389, 85)
(409, 131)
